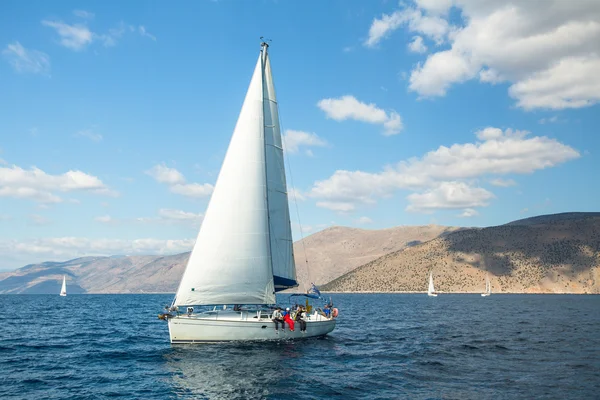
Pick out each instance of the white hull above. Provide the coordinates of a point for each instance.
(432, 294)
(225, 326)
(62, 294)
(484, 294)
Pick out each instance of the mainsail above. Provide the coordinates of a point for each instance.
(431, 289)
(63, 290)
(243, 252)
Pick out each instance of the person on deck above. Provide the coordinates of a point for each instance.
(287, 317)
(277, 319)
(300, 318)
(327, 311)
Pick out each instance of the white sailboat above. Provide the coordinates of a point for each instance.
(430, 288)
(488, 286)
(243, 253)
(63, 290)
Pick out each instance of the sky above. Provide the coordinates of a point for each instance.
(115, 118)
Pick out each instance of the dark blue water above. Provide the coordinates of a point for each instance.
(385, 346)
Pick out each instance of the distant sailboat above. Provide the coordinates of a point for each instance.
(244, 250)
(431, 289)
(488, 286)
(63, 290)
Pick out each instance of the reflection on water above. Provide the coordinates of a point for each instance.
(248, 370)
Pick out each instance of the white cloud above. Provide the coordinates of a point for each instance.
(163, 174)
(468, 213)
(75, 37)
(503, 182)
(142, 30)
(83, 14)
(37, 185)
(382, 27)
(417, 45)
(432, 26)
(549, 53)
(89, 134)
(449, 195)
(79, 36)
(177, 183)
(348, 107)
(441, 177)
(293, 140)
(364, 220)
(2, 162)
(64, 248)
(24, 60)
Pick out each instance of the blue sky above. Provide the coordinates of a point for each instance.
(115, 118)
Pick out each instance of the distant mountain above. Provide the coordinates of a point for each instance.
(557, 253)
(330, 253)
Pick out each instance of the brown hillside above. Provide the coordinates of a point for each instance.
(338, 250)
(556, 256)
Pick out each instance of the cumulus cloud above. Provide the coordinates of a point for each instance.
(177, 183)
(78, 36)
(348, 107)
(27, 61)
(449, 195)
(75, 37)
(42, 187)
(430, 25)
(417, 45)
(468, 213)
(548, 52)
(364, 220)
(442, 178)
(293, 140)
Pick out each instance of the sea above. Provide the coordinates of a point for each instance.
(385, 346)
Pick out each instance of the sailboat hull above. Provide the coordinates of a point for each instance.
(240, 326)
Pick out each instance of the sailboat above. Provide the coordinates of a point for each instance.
(63, 290)
(431, 289)
(488, 286)
(243, 254)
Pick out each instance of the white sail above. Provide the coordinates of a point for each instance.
(230, 262)
(430, 289)
(63, 290)
(280, 232)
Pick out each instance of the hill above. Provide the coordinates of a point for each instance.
(331, 253)
(548, 254)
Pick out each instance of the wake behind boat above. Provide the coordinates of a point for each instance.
(244, 251)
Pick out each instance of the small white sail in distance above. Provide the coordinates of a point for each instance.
(63, 290)
(488, 286)
(431, 289)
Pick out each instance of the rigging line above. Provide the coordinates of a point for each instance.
(289, 165)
